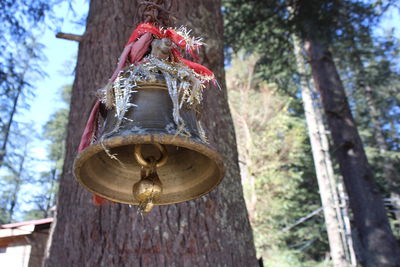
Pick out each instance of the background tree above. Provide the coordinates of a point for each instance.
(265, 26)
(212, 230)
(377, 240)
(341, 252)
(20, 57)
(16, 132)
(11, 182)
(276, 168)
(371, 75)
(55, 131)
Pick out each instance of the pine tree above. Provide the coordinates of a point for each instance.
(379, 245)
(370, 84)
(272, 148)
(19, 58)
(266, 26)
(12, 180)
(55, 131)
(213, 230)
(323, 166)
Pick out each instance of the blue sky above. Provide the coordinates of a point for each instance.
(59, 67)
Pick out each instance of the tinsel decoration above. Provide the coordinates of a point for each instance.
(184, 87)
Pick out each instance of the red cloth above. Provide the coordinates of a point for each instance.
(179, 40)
(142, 29)
(169, 33)
(98, 200)
(88, 133)
(140, 48)
(133, 53)
(198, 68)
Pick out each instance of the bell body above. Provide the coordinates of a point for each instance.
(193, 168)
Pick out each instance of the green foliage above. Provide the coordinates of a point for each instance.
(9, 184)
(55, 131)
(15, 90)
(371, 78)
(12, 179)
(20, 57)
(276, 165)
(290, 258)
(33, 214)
(267, 27)
(260, 26)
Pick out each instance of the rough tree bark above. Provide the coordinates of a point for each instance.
(211, 231)
(323, 170)
(379, 245)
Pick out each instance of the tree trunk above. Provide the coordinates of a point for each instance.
(377, 240)
(376, 115)
(323, 170)
(339, 194)
(389, 170)
(7, 130)
(347, 230)
(211, 231)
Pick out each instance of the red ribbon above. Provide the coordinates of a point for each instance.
(88, 133)
(177, 39)
(198, 68)
(169, 33)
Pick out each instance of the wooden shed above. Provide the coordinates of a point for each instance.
(23, 244)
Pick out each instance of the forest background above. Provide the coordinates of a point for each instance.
(266, 95)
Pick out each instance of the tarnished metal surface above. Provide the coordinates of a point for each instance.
(193, 168)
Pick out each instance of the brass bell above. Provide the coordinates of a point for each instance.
(114, 166)
(151, 148)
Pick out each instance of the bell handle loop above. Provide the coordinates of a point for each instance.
(160, 162)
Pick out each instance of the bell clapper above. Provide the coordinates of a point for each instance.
(148, 190)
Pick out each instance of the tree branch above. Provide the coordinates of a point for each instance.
(69, 36)
(303, 219)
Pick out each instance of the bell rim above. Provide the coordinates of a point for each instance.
(180, 141)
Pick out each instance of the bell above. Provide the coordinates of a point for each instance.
(145, 158)
(151, 149)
